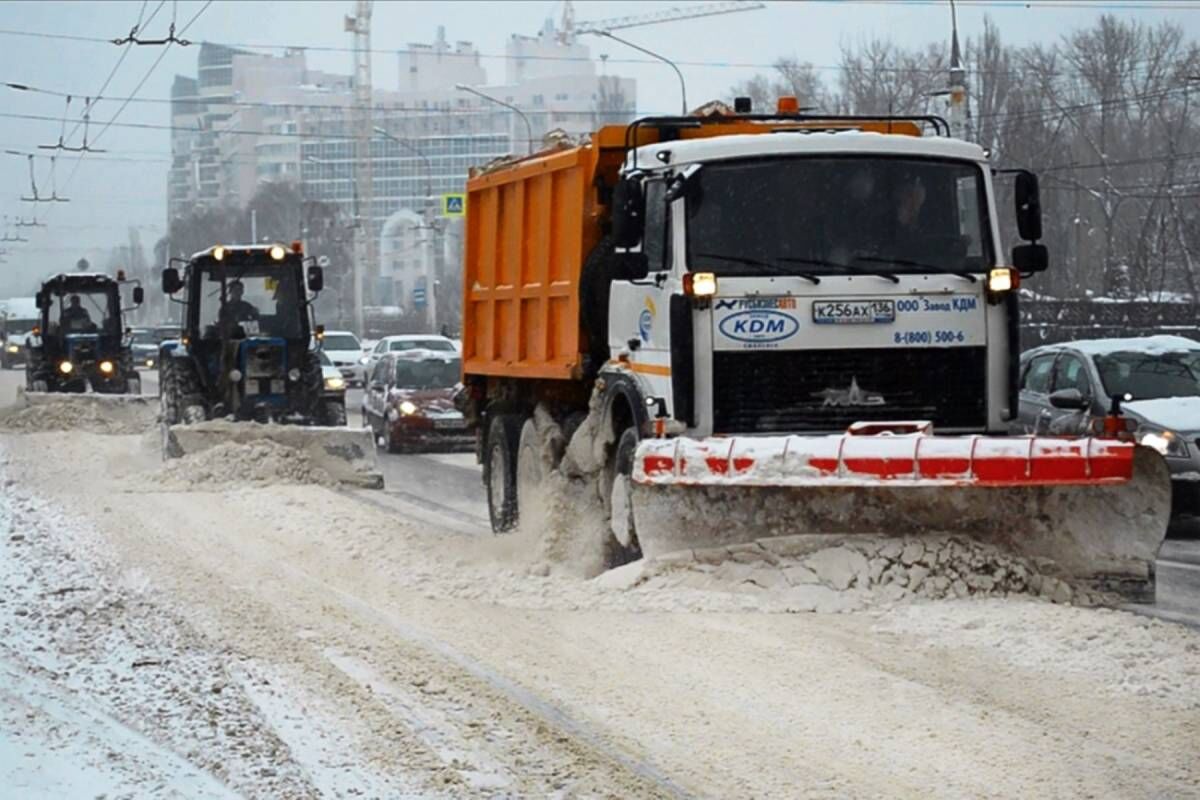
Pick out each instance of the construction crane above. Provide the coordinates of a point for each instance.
(570, 28)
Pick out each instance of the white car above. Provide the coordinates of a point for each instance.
(345, 353)
(409, 341)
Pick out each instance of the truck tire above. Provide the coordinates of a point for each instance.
(622, 547)
(500, 471)
(335, 413)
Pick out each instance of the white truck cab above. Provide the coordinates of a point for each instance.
(800, 282)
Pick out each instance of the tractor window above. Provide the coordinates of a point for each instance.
(87, 312)
(252, 305)
(430, 374)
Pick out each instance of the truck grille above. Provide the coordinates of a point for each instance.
(784, 391)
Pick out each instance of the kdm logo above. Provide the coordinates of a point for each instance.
(759, 327)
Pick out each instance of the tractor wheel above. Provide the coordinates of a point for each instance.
(168, 394)
(335, 413)
(500, 471)
(193, 412)
(39, 386)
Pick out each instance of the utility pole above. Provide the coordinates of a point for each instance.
(364, 185)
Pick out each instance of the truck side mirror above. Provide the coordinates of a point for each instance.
(1027, 258)
(1029, 206)
(630, 266)
(316, 279)
(171, 282)
(139, 295)
(628, 211)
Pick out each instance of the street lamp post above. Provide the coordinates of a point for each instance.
(462, 87)
(652, 54)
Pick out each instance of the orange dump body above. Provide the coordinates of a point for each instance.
(530, 226)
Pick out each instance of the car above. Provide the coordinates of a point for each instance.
(144, 343)
(1064, 387)
(345, 352)
(335, 383)
(409, 402)
(409, 341)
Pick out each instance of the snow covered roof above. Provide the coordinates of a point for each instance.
(798, 143)
(1135, 344)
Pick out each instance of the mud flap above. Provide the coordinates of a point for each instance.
(346, 454)
(1099, 511)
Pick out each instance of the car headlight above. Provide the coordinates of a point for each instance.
(335, 383)
(1167, 443)
(14, 348)
(364, 360)
(408, 408)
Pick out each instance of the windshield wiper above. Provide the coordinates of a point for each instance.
(904, 262)
(820, 262)
(754, 262)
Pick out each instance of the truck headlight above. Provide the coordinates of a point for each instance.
(335, 384)
(107, 367)
(1003, 279)
(408, 408)
(1168, 443)
(700, 284)
(66, 367)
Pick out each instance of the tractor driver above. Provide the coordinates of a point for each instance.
(236, 309)
(75, 318)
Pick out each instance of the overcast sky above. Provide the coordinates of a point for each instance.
(110, 195)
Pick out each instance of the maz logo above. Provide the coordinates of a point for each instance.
(759, 326)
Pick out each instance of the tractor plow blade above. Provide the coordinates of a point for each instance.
(1097, 508)
(129, 411)
(346, 454)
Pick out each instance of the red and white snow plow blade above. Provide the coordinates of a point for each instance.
(1099, 508)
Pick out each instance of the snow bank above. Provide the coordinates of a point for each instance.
(70, 415)
(257, 463)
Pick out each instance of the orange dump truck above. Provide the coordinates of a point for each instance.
(750, 325)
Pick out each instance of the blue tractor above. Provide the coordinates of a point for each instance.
(246, 351)
(80, 340)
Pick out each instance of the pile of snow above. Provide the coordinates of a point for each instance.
(70, 415)
(258, 463)
(832, 574)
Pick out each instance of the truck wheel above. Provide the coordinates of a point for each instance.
(500, 471)
(335, 413)
(529, 467)
(623, 547)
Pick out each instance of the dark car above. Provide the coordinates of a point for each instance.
(409, 402)
(144, 344)
(1064, 387)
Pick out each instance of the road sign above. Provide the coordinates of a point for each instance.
(454, 205)
(419, 296)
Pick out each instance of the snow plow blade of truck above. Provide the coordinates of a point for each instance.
(346, 454)
(1098, 508)
(125, 410)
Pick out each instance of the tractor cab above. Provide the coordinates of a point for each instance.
(79, 340)
(246, 334)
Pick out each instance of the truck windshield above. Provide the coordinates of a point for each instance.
(836, 215)
(258, 301)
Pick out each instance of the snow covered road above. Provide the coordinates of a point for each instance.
(286, 640)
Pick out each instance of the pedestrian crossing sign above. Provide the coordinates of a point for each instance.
(454, 205)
